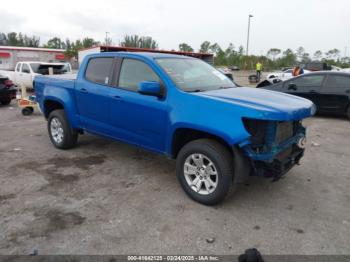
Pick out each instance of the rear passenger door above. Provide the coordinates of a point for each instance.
(93, 95)
(335, 93)
(140, 119)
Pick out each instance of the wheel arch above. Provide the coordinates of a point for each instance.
(241, 163)
(50, 105)
(183, 135)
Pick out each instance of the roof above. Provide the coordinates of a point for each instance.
(21, 48)
(329, 72)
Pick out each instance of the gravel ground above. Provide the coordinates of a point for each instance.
(105, 197)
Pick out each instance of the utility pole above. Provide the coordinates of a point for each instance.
(107, 39)
(345, 49)
(250, 16)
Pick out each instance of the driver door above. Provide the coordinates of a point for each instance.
(140, 119)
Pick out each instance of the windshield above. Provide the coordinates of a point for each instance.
(194, 75)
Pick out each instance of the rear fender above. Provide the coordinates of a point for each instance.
(65, 98)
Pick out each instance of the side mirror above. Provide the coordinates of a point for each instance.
(292, 86)
(150, 88)
(25, 71)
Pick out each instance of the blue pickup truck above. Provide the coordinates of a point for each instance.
(180, 107)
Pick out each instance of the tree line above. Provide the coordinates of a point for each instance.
(230, 56)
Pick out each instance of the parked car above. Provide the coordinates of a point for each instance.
(328, 90)
(234, 68)
(180, 107)
(26, 71)
(227, 72)
(282, 76)
(7, 90)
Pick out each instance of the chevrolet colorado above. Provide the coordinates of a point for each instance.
(183, 108)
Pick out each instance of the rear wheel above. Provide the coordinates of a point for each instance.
(62, 135)
(204, 168)
(348, 112)
(6, 101)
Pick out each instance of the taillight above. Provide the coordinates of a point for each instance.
(8, 83)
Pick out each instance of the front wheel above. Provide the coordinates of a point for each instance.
(348, 112)
(204, 168)
(62, 135)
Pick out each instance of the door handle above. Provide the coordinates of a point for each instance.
(312, 92)
(347, 91)
(83, 90)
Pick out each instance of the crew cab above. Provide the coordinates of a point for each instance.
(180, 107)
(26, 71)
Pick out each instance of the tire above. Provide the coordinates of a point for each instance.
(216, 173)
(61, 134)
(348, 112)
(5, 102)
(27, 111)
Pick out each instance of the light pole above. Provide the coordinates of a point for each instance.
(250, 16)
(106, 39)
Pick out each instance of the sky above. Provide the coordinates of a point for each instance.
(313, 24)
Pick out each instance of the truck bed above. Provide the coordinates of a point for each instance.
(64, 80)
(63, 76)
(51, 85)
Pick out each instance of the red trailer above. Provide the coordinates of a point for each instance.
(209, 58)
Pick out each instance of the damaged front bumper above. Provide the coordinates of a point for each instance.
(275, 149)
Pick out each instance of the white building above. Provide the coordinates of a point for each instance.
(10, 55)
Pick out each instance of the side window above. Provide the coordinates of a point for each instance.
(133, 72)
(18, 67)
(99, 69)
(338, 82)
(309, 80)
(25, 69)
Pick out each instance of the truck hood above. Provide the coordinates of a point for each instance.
(269, 105)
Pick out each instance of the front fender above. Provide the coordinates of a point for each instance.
(236, 134)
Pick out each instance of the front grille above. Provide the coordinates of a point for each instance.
(284, 131)
(269, 132)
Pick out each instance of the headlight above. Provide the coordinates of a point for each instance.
(257, 129)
